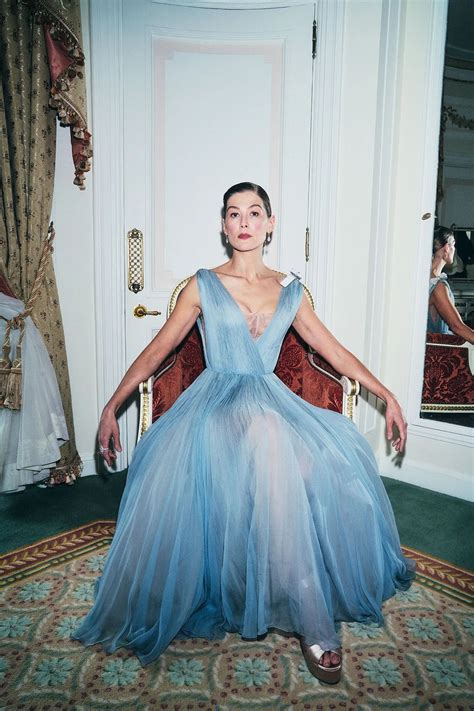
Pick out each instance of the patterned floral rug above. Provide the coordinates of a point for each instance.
(419, 660)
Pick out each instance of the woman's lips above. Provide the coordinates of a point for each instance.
(244, 235)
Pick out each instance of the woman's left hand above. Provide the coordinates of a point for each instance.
(394, 416)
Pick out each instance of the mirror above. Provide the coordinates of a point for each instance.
(448, 382)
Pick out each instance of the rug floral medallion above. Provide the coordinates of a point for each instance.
(420, 658)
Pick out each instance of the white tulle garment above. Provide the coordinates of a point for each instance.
(30, 438)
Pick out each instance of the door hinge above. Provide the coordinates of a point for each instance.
(306, 245)
(315, 38)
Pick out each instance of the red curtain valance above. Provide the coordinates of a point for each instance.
(62, 28)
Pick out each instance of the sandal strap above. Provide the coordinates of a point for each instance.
(319, 651)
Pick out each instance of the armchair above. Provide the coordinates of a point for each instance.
(298, 366)
(448, 381)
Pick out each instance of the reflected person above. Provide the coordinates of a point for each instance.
(443, 316)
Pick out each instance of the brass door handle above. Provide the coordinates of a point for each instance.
(140, 311)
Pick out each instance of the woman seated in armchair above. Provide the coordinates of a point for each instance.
(246, 508)
(443, 316)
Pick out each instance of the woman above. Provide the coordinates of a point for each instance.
(443, 316)
(246, 508)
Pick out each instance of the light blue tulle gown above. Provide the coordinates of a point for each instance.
(246, 508)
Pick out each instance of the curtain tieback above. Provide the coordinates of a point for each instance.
(10, 364)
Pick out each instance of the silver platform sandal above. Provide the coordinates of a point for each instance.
(313, 655)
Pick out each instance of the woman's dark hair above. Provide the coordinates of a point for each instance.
(248, 187)
(441, 236)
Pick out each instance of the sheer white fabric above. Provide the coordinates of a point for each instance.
(30, 438)
(257, 322)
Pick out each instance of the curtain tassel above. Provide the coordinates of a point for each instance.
(5, 366)
(10, 371)
(13, 386)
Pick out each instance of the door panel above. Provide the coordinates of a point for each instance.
(211, 98)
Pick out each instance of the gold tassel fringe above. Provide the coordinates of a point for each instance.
(10, 376)
(13, 390)
(5, 366)
(4, 371)
(66, 474)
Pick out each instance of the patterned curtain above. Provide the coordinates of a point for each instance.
(32, 34)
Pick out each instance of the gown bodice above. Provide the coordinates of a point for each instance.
(436, 324)
(235, 342)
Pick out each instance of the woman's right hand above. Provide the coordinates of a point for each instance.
(109, 436)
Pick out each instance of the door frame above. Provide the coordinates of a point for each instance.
(108, 219)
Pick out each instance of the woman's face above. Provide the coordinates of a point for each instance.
(450, 248)
(245, 222)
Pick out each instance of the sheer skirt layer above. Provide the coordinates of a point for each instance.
(246, 509)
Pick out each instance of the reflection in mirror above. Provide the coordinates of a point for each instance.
(448, 382)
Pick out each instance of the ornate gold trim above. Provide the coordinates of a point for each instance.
(462, 409)
(145, 410)
(350, 401)
(174, 296)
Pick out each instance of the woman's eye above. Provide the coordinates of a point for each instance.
(234, 214)
(255, 213)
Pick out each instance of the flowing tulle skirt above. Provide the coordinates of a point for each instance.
(245, 509)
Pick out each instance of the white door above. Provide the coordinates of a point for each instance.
(212, 97)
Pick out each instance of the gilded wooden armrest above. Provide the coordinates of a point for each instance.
(146, 393)
(350, 387)
(146, 398)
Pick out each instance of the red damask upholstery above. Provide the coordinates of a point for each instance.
(448, 382)
(296, 367)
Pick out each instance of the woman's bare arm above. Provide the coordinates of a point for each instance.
(440, 300)
(315, 333)
(180, 322)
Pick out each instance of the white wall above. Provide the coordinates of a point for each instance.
(74, 267)
(355, 174)
(376, 297)
(439, 459)
(379, 271)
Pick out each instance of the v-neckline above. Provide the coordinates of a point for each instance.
(244, 322)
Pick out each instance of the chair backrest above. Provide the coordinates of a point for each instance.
(298, 366)
(448, 375)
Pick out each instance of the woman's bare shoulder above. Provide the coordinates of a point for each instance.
(442, 291)
(189, 294)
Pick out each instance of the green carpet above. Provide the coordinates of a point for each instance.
(433, 523)
(427, 521)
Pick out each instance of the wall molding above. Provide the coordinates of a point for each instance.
(109, 258)
(230, 5)
(382, 198)
(457, 484)
(325, 153)
(90, 465)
